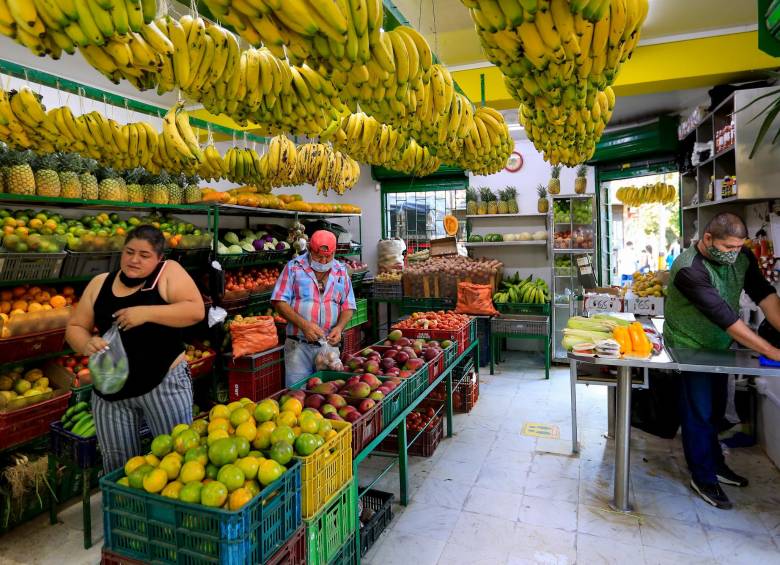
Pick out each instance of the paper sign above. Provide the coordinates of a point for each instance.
(603, 303)
(546, 431)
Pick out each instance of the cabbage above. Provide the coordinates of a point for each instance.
(245, 233)
(281, 246)
(248, 247)
(231, 237)
(235, 249)
(269, 246)
(525, 236)
(222, 248)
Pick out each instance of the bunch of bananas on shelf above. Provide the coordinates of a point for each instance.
(658, 193)
(320, 165)
(559, 58)
(525, 291)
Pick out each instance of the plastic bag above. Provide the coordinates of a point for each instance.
(110, 367)
(390, 255)
(253, 335)
(327, 358)
(475, 299)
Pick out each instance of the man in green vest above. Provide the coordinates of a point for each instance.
(702, 312)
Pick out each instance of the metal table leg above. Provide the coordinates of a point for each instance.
(86, 509)
(449, 403)
(403, 463)
(621, 502)
(573, 383)
(610, 412)
(493, 340)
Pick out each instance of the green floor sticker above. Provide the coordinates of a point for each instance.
(547, 431)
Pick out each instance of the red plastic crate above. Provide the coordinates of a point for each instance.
(203, 366)
(256, 376)
(32, 345)
(110, 558)
(424, 446)
(352, 340)
(293, 552)
(24, 424)
(462, 336)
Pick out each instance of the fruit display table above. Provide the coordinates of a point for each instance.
(728, 362)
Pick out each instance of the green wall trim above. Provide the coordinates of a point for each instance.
(381, 173)
(657, 137)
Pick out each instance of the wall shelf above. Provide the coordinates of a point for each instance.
(505, 243)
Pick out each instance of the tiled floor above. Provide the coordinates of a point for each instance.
(492, 496)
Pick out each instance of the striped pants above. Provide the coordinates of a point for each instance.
(117, 422)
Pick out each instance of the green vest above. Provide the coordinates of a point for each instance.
(685, 325)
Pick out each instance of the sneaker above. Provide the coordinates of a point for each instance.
(712, 494)
(728, 477)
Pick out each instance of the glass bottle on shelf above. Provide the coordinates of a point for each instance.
(710, 190)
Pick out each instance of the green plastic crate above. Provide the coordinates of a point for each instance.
(450, 354)
(80, 394)
(412, 305)
(523, 308)
(332, 527)
(361, 314)
(346, 555)
(152, 528)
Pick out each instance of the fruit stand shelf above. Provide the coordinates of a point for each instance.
(506, 243)
(567, 251)
(101, 204)
(530, 215)
(235, 210)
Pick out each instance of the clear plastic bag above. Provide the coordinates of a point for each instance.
(327, 358)
(109, 367)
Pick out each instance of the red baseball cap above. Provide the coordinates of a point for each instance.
(323, 242)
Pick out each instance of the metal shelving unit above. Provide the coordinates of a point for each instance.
(565, 280)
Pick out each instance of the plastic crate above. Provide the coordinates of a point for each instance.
(524, 308)
(411, 305)
(331, 527)
(346, 554)
(521, 325)
(423, 446)
(24, 424)
(191, 258)
(232, 260)
(293, 552)
(387, 290)
(450, 354)
(110, 558)
(255, 376)
(435, 367)
(382, 505)
(352, 340)
(32, 345)
(90, 263)
(361, 314)
(204, 365)
(83, 451)
(461, 336)
(152, 528)
(80, 394)
(30, 266)
(236, 305)
(326, 471)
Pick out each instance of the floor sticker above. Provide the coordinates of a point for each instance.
(547, 431)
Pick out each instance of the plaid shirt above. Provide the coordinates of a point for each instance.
(297, 286)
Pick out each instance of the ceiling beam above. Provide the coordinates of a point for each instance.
(662, 67)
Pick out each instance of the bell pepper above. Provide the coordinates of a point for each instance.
(639, 342)
(620, 334)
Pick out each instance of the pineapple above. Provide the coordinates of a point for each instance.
(47, 181)
(471, 202)
(192, 191)
(20, 178)
(581, 182)
(135, 193)
(483, 200)
(89, 183)
(111, 186)
(70, 165)
(176, 189)
(542, 205)
(554, 185)
(3, 166)
(503, 207)
(511, 199)
(490, 198)
(157, 192)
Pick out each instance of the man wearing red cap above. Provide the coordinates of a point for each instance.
(314, 294)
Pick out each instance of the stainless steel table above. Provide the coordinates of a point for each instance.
(732, 362)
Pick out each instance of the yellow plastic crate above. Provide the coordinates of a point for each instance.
(324, 472)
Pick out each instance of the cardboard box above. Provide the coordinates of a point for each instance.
(444, 246)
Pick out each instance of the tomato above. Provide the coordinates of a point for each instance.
(70, 362)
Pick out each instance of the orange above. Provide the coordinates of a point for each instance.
(58, 301)
(155, 480)
(266, 410)
(162, 445)
(249, 466)
(192, 471)
(231, 476)
(283, 433)
(43, 297)
(5, 307)
(286, 418)
(19, 305)
(223, 451)
(172, 490)
(200, 426)
(218, 424)
(215, 435)
(34, 307)
(309, 424)
(213, 494)
(269, 471)
(190, 492)
(186, 440)
(19, 291)
(239, 498)
(68, 291)
(152, 459)
(262, 439)
(177, 429)
(6, 295)
(171, 466)
(199, 454)
(247, 430)
(133, 463)
(292, 405)
(239, 416)
(253, 487)
(136, 478)
(234, 405)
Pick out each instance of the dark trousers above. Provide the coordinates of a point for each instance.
(702, 407)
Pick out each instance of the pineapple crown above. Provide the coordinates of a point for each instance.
(163, 177)
(582, 170)
(471, 195)
(47, 161)
(89, 165)
(486, 194)
(541, 190)
(181, 180)
(133, 176)
(106, 173)
(194, 179)
(71, 162)
(556, 171)
(20, 157)
(502, 194)
(511, 192)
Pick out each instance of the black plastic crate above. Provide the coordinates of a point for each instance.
(90, 263)
(381, 503)
(83, 451)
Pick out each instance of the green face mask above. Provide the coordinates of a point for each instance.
(723, 257)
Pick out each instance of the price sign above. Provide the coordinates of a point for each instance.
(603, 303)
(649, 306)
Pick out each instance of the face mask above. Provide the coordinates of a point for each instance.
(722, 257)
(321, 267)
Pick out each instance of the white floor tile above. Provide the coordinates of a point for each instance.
(402, 549)
(737, 548)
(500, 504)
(556, 466)
(502, 478)
(609, 524)
(457, 553)
(594, 550)
(548, 513)
(554, 488)
(543, 545)
(655, 556)
(436, 522)
(451, 494)
(740, 517)
(479, 530)
(674, 535)
(460, 471)
(665, 505)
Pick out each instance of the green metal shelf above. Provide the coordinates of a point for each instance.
(102, 204)
(72, 280)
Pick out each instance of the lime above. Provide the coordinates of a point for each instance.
(162, 445)
(281, 452)
(190, 492)
(306, 444)
(232, 477)
(224, 451)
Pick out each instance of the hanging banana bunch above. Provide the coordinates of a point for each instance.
(658, 193)
(320, 165)
(559, 58)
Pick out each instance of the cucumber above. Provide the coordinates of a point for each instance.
(80, 407)
(68, 425)
(83, 425)
(89, 432)
(80, 416)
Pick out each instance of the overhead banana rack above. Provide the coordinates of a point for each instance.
(67, 85)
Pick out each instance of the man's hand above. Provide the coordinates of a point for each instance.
(334, 337)
(128, 318)
(312, 331)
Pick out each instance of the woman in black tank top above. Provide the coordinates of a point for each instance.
(151, 301)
